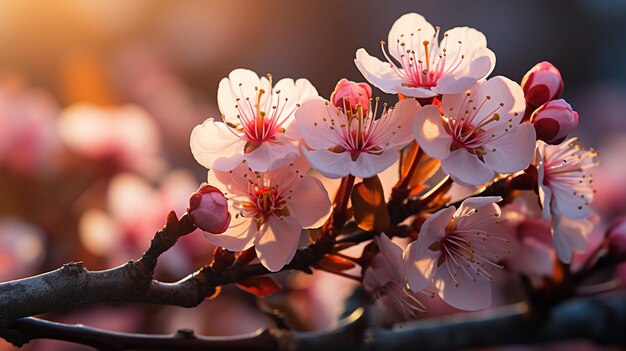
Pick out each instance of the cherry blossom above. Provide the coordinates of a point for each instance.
(427, 67)
(565, 191)
(386, 276)
(270, 209)
(478, 133)
(256, 123)
(342, 142)
(565, 179)
(457, 249)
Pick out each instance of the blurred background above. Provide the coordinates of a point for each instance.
(98, 99)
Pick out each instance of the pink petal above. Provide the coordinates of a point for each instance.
(470, 38)
(310, 120)
(420, 260)
(369, 165)
(569, 235)
(452, 85)
(230, 182)
(214, 146)
(471, 294)
(466, 168)
(239, 236)
(403, 27)
(398, 122)
(430, 134)
(483, 63)
(501, 90)
(270, 155)
(278, 241)
(536, 259)
(392, 255)
(418, 92)
(377, 72)
(229, 90)
(329, 164)
(513, 151)
(309, 202)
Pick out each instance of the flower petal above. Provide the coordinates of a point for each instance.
(277, 242)
(214, 146)
(309, 202)
(430, 134)
(420, 260)
(417, 92)
(513, 151)
(570, 235)
(239, 236)
(470, 38)
(368, 165)
(270, 155)
(314, 130)
(407, 26)
(392, 255)
(451, 85)
(462, 291)
(466, 168)
(377, 72)
(229, 90)
(329, 164)
(396, 122)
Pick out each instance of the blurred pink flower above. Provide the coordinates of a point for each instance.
(22, 249)
(427, 67)
(532, 251)
(28, 136)
(457, 249)
(135, 211)
(386, 276)
(348, 95)
(257, 123)
(553, 121)
(270, 210)
(360, 144)
(478, 133)
(126, 135)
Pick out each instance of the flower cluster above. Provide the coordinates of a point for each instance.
(260, 197)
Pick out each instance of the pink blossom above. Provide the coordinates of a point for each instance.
(554, 120)
(565, 179)
(256, 125)
(208, 209)
(478, 133)
(126, 135)
(541, 84)
(386, 276)
(565, 191)
(457, 249)
(22, 249)
(270, 210)
(530, 241)
(28, 137)
(427, 67)
(350, 95)
(342, 142)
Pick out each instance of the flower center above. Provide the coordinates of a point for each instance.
(261, 119)
(423, 62)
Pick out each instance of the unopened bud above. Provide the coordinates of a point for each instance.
(349, 95)
(554, 120)
(208, 209)
(541, 84)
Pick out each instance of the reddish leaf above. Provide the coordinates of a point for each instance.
(260, 286)
(334, 263)
(368, 202)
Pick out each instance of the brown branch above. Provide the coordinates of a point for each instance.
(600, 319)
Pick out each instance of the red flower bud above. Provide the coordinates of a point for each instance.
(349, 95)
(554, 120)
(208, 209)
(541, 84)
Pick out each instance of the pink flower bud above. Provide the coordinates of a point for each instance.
(554, 120)
(541, 84)
(208, 209)
(348, 95)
